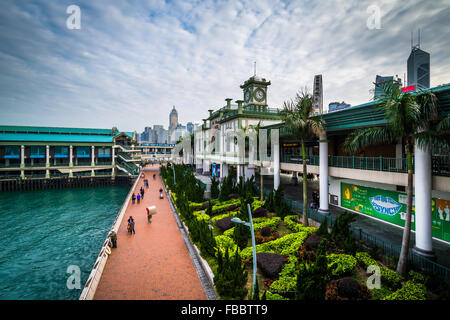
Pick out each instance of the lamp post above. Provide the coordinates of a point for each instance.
(173, 169)
(250, 224)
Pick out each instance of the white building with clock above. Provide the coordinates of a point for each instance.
(216, 141)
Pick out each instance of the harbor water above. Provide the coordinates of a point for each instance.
(44, 232)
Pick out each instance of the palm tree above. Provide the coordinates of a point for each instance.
(297, 117)
(412, 118)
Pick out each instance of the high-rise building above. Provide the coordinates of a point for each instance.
(379, 92)
(418, 67)
(317, 95)
(336, 106)
(173, 119)
(190, 127)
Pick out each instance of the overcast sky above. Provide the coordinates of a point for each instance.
(132, 60)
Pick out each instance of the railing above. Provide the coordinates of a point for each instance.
(388, 249)
(440, 164)
(310, 159)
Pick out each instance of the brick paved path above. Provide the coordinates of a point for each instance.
(154, 263)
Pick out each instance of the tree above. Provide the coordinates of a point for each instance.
(297, 116)
(241, 232)
(214, 188)
(413, 119)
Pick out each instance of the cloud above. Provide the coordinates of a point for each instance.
(132, 60)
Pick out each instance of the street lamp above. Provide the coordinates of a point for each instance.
(250, 224)
(173, 169)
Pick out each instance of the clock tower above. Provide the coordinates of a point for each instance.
(255, 92)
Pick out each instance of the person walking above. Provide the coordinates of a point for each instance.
(142, 193)
(129, 224)
(138, 197)
(133, 198)
(132, 231)
(113, 237)
(146, 183)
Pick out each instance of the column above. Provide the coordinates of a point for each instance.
(70, 156)
(276, 164)
(93, 156)
(422, 194)
(47, 156)
(47, 173)
(113, 157)
(223, 170)
(22, 157)
(238, 172)
(323, 171)
(92, 173)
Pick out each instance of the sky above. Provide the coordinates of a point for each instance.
(131, 61)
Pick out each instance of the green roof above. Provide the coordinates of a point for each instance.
(36, 137)
(61, 130)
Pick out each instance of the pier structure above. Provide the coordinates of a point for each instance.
(28, 152)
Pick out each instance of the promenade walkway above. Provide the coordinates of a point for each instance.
(154, 263)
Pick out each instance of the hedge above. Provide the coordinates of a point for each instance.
(341, 264)
(389, 276)
(410, 291)
(225, 215)
(292, 225)
(287, 279)
(272, 296)
(288, 244)
(224, 242)
(258, 223)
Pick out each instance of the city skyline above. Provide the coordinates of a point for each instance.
(128, 65)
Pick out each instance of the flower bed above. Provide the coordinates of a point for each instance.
(292, 225)
(341, 264)
(258, 223)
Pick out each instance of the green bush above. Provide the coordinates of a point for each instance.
(289, 244)
(410, 291)
(417, 277)
(390, 277)
(292, 225)
(258, 223)
(341, 264)
(272, 296)
(287, 278)
(224, 243)
(230, 277)
(225, 215)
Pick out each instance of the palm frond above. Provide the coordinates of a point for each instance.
(362, 138)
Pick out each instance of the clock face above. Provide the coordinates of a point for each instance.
(259, 94)
(247, 95)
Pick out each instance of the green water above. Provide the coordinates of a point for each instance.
(44, 232)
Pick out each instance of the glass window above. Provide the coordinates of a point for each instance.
(61, 152)
(12, 152)
(104, 152)
(37, 152)
(83, 152)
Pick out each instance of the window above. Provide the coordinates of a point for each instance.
(104, 152)
(12, 152)
(61, 152)
(37, 152)
(83, 152)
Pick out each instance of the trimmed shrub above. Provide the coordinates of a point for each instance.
(292, 224)
(266, 231)
(349, 288)
(270, 264)
(224, 215)
(225, 223)
(410, 291)
(287, 278)
(341, 264)
(313, 242)
(389, 276)
(260, 212)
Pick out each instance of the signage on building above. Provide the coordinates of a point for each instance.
(409, 88)
(390, 206)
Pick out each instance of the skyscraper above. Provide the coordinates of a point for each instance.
(418, 67)
(173, 119)
(190, 127)
(380, 79)
(318, 94)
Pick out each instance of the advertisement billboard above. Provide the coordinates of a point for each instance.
(390, 206)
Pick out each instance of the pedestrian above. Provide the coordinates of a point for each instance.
(138, 197)
(149, 216)
(133, 198)
(154, 176)
(113, 237)
(146, 183)
(142, 193)
(161, 193)
(132, 231)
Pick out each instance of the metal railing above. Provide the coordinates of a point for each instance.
(388, 249)
(440, 164)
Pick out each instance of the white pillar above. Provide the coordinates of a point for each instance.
(47, 156)
(47, 173)
(22, 156)
(70, 156)
(249, 172)
(93, 156)
(223, 170)
(422, 194)
(238, 172)
(323, 178)
(276, 165)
